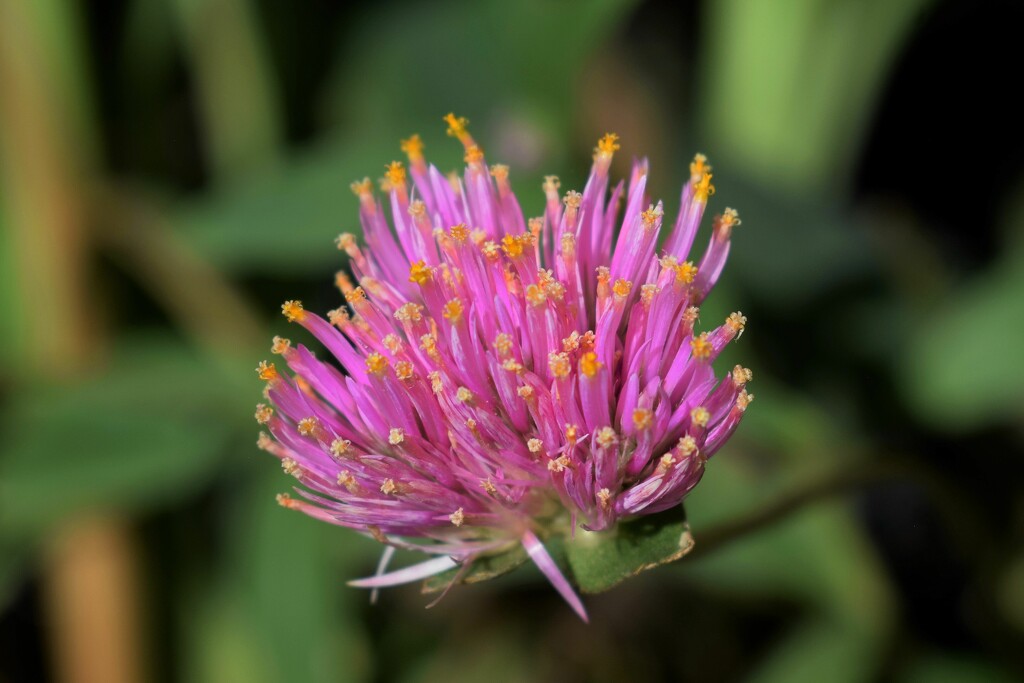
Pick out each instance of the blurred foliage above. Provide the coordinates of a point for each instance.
(193, 157)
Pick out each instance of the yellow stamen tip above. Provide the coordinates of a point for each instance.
(263, 413)
(361, 187)
(376, 364)
(590, 365)
(413, 147)
(458, 518)
(698, 167)
(702, 348)
(293, 311)
(702, 189)
(643, 418)
(266, 371)
(395, 174)
(700, 416)
(609, 144)
(396, 436)
(308, 425)
(453, 311)
(419, 272)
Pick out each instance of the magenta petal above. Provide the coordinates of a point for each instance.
(539, 554)
(408, 574)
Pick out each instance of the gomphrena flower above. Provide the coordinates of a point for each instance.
(496, 377)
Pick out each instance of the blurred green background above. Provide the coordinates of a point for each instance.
(170, 171)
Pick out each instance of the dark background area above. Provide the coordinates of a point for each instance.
(171, 171)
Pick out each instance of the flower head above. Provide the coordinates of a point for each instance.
(492, 374)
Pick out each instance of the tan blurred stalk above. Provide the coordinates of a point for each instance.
(90, 587)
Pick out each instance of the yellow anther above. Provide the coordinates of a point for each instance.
(338, 316)
(572, 199)
(266, 371)
(436, 385)
(343, 282)
(702, 189)
(396, 436)
(686, 272)
(404, 370)
(651, 216)
(666, 462)
(490, 250)
(558, 464)
(339, 447)
(459, 233)
(572, 433)
(417, 209)
(280, 346)
(395, 173)
(668, 262)
(572, 342)
(700, 416)
(603, 275)
(729, 218)
(535, 445)
(345, 241)
(568, 245)
(647, 293)
(736, 322)
(293, 311)
(500, 172)
(308, 426)
(286, 501)
(559, 364)
(376, 364)
(608, 144)
(392, 342)
(604, 499)
(361, 187)
(687, 446)
(513, 245)
(458, 518)
(606, 437)
(741, 375)
(453, 311)
(588, 340)
(535, 295)
(291, 467)
(409, 312)
(419, 272)
(503, 344)
(413, 147)
(488, 486)
(551, 184)
(621, 288)
(264, 442)
(471, 424)
(356, 296)
(590, 365)
(525, 392)
(698, 167)
(478, 236)
(464, 395)
(263, 413)
(456, 125)
(388, 487)
(690, 315)
(702, 348)
(743, 400)
(428, 343)
(643, 418)
(473, 154)
(346, 479)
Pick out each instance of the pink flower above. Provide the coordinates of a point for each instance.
(493, 373)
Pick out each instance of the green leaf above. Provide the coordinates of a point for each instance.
(149, 430)
(964, 367)
(602, 559)
(483, 569)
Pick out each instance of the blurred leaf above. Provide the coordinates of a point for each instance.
(484, 569)
(290, 571)
(146, 432)
(284, 221)
(950, 668)
(601, 560)
(789, 87)
(964, 366)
